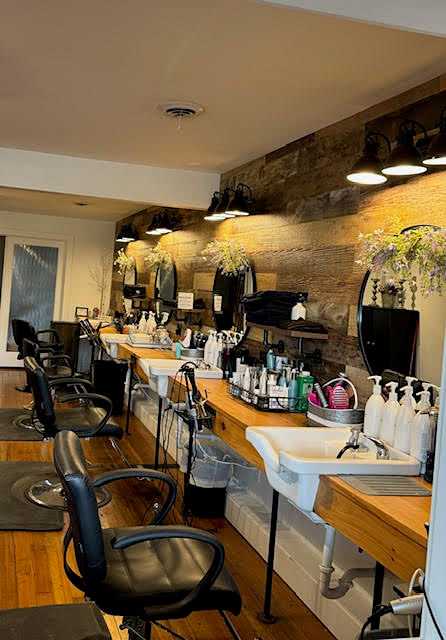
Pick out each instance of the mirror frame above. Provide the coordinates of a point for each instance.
(254, 284)
(362, 293)
(175, 281)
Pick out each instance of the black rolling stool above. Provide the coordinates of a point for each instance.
(90, 420)
(145, 574)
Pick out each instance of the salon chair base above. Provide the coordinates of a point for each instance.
(23, 388)
(48, 493)
(24, 422)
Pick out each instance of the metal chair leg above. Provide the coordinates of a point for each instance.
(229, 624)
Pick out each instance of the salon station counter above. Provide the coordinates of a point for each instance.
(391, 529)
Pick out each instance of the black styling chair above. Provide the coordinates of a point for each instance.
(48, 338)
(55, 622)
(56, 365)
(89, 420)
(145, 574)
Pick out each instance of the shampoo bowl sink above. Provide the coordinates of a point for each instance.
(295, 458)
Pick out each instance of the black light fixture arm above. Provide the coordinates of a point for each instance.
(408, 130)
(372, 140)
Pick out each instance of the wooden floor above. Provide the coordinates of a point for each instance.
(31, 568)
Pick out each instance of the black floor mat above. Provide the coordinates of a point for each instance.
(9, 431)
(17, 513)
(70, 622)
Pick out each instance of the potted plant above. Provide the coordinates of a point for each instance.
(227, 255)
(420, 250)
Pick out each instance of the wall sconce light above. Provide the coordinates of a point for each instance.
(368, 169)
(161, 224)
(436, 152)
(214, 202)
(242, 201)
(127, 233)
(406, 158)
(230, 203)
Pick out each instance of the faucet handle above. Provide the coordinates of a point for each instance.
(355, 432)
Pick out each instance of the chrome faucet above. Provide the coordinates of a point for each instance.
(382, 452)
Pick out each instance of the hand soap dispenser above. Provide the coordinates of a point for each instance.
(425, 399)
(420, 436)
(374, 409)
(389, 415)
(410, 380)
(404, 421)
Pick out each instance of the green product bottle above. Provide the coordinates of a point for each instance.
(305, 385)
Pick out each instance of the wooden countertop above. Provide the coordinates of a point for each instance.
(125, 351)
(389, 528)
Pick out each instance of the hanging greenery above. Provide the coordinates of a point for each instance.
(157, 257)
(123, 262)
(227, 255)
(422, 249)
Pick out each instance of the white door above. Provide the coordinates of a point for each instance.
(31, 288)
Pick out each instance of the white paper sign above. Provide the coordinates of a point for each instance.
(218, 302)
(185, 300)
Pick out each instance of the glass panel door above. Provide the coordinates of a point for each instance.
(31, 289)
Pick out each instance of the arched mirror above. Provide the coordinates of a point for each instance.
(228, 290)
(165, 291)
(402, 311)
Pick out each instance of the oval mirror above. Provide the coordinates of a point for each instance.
(165, 289)
(227, 291)
(401, 330)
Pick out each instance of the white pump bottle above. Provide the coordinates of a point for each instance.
(374, 409)
(421, 404)
(404, 421)
(389, 415)
(420, 436)
(410, 380)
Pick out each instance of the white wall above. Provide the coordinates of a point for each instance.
(85, 242)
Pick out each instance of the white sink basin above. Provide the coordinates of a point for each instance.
(296, 457)
(159, 370)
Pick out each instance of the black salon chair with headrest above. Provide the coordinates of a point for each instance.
(46, 339)
(145, 574)
(54, 622)
(56, 365)
(91, 419)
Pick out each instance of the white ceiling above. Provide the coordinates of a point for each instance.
(423, 16)
(66, 205)
(84, 78)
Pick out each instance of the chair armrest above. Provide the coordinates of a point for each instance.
(51, 332)
(81, 382)
(59, 357)
(185, 606)
(97, 400)
(124, 474)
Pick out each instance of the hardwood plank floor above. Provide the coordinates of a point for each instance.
(32, 567)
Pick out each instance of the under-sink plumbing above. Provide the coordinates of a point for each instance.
(345, 582)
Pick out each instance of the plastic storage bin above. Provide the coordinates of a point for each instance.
(212, 461)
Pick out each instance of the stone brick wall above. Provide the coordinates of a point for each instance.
(305, 236)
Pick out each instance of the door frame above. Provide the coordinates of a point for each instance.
(9, 358)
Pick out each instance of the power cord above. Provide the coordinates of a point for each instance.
(382, 610)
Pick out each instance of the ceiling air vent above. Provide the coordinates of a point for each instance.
(180, 111)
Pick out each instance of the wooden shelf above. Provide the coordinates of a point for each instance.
(290, 332)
